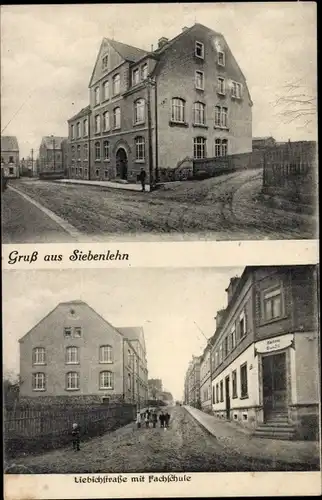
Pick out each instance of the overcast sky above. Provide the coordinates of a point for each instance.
(48, 53)
(171, 305)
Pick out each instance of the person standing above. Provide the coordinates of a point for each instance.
(167, 419)
(76, 437)
(138, 420)
(147, 420)
(154, 419)
(142, 178)
(161, 418)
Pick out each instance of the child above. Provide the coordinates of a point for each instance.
(138, 419)
(76, 437)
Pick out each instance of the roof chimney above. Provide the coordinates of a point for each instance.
(162, 41)
(185, 28)
(232, 287)
(219, 317)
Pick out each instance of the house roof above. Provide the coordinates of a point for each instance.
(83, 112)
(133, 333)
(127, 52)
(9, 143)
(262, 138)
(48, 142)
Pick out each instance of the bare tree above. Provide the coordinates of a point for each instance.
(296, 103)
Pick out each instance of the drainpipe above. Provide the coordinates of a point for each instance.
(89, 146)
(156, 133)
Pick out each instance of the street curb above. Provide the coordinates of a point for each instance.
(66, 226)
(104, 188)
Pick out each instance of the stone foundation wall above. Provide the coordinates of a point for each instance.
(306, 420)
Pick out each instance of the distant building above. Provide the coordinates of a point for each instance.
(75, 352)
(192, 382)
(155, 388)
(10, 163)
(78, 146)
(51, 156)
(166, 397)
(263, 142)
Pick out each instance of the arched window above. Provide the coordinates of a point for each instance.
(78, 153)
(97, 124)
(106, 121)
(218, 147)
(72, 357)
(117, 118)
(178, 110)
(106, 90)
(116, 84)
(96, 95)
(105, 354)
(85, 127)
(38, 382)
(140, 148)
(38, 356)
(139, 111)
(106, 147)
(73, 153)
(72, 381)
(78, 129)
(199, 147)
(106, 380)
(199, 113)
(221, 147)
(97, 151)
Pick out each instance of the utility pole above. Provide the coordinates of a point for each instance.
(150, 83)
(32, 163)
(54, 153)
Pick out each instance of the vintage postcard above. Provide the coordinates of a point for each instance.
(160, 273)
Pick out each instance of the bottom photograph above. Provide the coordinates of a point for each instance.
(161, 370)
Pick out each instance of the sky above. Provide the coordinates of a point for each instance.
(175, 306)
(48, 53)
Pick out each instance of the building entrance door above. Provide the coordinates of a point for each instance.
(274, 385)
(121, 164)
(227, 398)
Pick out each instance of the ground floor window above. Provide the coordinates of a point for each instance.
(199, 148)
(243, 381)
(234, 384)
(97, 151)
(97, 172)
(217, 393)
(221, 391)
(39, 382)
(106, 380)
(72, 381)
(221, 147)
(140, 148)
(86, 172)
(105, 174)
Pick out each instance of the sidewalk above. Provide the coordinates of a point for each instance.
(240, 440)
(106, 184)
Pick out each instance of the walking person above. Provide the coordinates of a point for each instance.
(142, 178)
(147, 420)
(167, 419)
(154, 419)
(161, 418)
(76, 437)
(138, 420)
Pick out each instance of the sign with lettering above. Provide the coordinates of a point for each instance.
(274, 343)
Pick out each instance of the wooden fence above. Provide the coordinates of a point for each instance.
(211, 167)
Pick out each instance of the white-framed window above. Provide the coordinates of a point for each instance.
(116, 84)
(221, 87)
(199, 80)
(39, 356)
(96, 96)
(72, 381)
(72, 132)
(67, 332)
(139, 111)
(199, 147)
(236, 90)
(106, 380)
(97, 150)
(85, 127)
(233, 337)
(97, 125)
(72, 357)
(199, 113)
(78, 152)
(106, 90)
(224, 117)
(221, 58)
(38, 382)
(105, 354)
(242, 325)
(135, 76)
(106, 121)
(217, 116)
(106, 148)
(105, 62)
(85, 151)
(200, 50)
(140, 148)
(221, 147)
(273, 304)
(78, 129)
(144, 72)
(178, 110)
(117, 118)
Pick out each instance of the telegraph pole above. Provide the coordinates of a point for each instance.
(32, 163)
(150, 83)
(54, 154)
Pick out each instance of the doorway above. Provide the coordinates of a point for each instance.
(274, 385)
(227, 398)
(121, 164)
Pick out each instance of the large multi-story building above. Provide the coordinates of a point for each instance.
(154, 110)
(73, 351)
(192, 382)
(10, 163)
(52, 155)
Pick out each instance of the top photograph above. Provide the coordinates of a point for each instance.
(152, 122)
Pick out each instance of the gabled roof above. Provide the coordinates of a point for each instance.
(133, 333)
(83, 112)
(49, 141)
(9, 143)
(127, 52)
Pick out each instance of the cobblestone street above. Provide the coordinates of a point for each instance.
(184, 447)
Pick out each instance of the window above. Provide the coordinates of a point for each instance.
(225, 347)
(217, 116)
(139, 111)
(221, 147)
(67, 332)
(217, 393)
(140, 148)
(221, 58)
(129, 380)
(144, 72)
(78, 129)
(72, 133)
(221, 391)
(39, 356)
(106, 121)
(216, 359)
(11, 160)
(236, 90)
(178, 110)
(199, 80)
(85, 151)
(78, 153)
(199, 50)
(97, 172)
(38, 382)
(272, 304)
(11, 171)
(72, 381)
(77, 329)
(243, 381)
(213, 395)
(224, 116)
(221, 115)
(106, 380)
(97, 151)
(234, 384)
(199, 113)
(116, 84)
(135, 76)
(220, 354)
(105, 62)
(106, 147)
(221, 86)
(106, 91)
(233, 337)
(117, 117)
(96, 96)
(199, 147)
(242, 325)
(97, 124)
(72, 356)
(105, 354)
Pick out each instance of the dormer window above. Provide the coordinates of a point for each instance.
(200, 50)
(135, 77)
(221, 58)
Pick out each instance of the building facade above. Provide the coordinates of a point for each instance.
(154, 110)
(265, 361)
(155, 388)
(205, 379)
(10, 163)
(78, 155)
(192, 383)
(83, 356)
(51, 155)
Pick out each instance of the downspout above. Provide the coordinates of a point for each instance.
(157, 179)
(89, 146)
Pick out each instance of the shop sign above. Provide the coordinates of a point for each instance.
(274, 344)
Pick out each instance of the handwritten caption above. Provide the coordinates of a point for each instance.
(148, 478)
(16, 257)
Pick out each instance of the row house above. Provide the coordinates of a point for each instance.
(73, 351)
(192, 382)
(205, 379)
(52, 155)
(265, 353)
(10, 164)
(186, 99)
